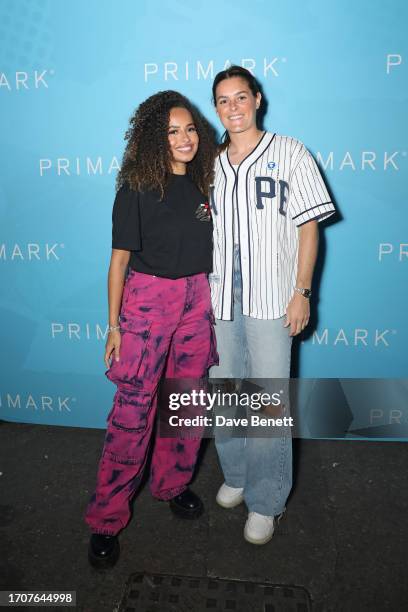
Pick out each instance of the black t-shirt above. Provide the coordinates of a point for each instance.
(165, 237)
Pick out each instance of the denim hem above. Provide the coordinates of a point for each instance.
(266, 511)
(234, 486)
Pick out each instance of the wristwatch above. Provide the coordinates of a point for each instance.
(305, 292)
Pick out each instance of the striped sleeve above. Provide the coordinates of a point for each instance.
(308, 196)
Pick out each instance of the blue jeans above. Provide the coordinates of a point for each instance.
(255, 348)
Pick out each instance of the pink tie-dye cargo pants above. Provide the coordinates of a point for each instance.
(167, 329)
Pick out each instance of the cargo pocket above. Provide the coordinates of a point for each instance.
(127, 423)
(130, 410)
(135, 336)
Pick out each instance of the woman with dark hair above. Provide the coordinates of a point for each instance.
(160, 318)
(267, 198)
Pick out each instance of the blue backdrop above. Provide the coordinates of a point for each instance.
(71, 74)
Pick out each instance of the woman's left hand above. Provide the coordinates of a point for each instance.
(297, 314)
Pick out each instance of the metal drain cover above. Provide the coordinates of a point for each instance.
(163, 593)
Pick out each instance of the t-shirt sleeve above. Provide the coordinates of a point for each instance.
(126, 230)
(308, 196)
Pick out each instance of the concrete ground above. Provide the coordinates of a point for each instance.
(344, 536)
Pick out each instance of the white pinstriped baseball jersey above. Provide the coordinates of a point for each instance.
(276, 188)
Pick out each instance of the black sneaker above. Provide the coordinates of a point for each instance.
(187, 505)
(103, 551)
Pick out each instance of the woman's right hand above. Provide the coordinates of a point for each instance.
(112, 346)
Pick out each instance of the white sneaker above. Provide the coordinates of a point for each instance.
(229, 497)
(259, 528)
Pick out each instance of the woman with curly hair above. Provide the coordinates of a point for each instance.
(160, 317)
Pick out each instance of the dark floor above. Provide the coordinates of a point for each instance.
(344, 536)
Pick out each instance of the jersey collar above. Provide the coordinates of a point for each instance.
(250, 159)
